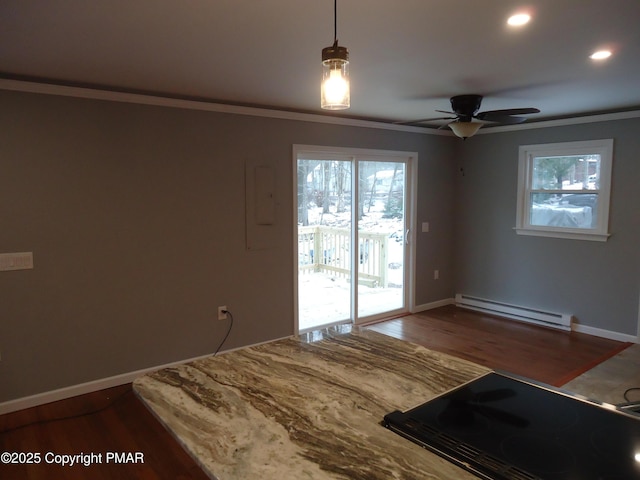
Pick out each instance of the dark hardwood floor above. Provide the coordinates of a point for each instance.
(111, 420)
(114, 420)
(543, 354)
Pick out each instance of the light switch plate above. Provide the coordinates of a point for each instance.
(16, 261)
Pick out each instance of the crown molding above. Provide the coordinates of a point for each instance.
(144, 99)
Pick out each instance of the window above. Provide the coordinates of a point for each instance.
(563, 190)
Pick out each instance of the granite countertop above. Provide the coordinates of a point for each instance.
(306, 407)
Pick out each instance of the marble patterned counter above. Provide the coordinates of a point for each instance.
(306, 408)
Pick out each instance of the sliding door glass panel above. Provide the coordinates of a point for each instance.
(380, 237)
(324, 242)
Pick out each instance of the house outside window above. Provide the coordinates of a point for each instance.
(564, 190)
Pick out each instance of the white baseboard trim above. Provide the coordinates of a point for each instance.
(116, 380)
(95, 385)
(432, 305)
(71, 391)
(599, 332)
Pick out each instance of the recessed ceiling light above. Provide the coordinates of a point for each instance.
(519, 19)
(600, 55)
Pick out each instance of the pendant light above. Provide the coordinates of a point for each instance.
(335, 72)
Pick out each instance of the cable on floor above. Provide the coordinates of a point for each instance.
(69, 417)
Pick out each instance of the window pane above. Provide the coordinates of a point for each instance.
(574, 210)
(324, 242)
(381, 237)
(574, 172)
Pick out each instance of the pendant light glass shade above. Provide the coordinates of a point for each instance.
(335, 92)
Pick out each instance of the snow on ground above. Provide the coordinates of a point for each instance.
(371, 221)
(323, 298)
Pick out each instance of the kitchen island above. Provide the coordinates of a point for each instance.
(307, 407)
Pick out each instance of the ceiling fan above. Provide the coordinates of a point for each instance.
(465, 110)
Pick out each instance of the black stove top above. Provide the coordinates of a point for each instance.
(501, 427)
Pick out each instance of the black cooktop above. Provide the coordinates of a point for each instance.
(503, 427)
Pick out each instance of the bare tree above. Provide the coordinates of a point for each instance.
(342, 174)
(393, 205)
(326, 191)
(303, 201)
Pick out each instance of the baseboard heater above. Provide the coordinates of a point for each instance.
(525, 314)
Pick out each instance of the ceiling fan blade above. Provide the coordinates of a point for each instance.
(444, 111)
(508, 111)
(504, 119)
(422, 120)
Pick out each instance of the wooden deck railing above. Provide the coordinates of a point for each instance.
(326, 249)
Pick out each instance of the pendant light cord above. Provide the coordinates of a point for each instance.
(335, 20)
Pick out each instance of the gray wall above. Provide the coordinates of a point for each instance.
(136, 217)
(597, 282)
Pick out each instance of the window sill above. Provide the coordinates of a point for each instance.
(571, 235)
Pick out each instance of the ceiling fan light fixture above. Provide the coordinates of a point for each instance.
(465, 130)
(335, 91)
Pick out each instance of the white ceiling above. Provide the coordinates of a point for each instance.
(407, 57)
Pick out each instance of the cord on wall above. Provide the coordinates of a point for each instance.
(227, 312)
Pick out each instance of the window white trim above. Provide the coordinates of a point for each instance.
(527, 153)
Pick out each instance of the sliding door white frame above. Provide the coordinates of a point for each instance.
(350, 154)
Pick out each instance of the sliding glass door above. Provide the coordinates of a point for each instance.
(352, 244)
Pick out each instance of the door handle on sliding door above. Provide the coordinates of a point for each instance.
(406, 236)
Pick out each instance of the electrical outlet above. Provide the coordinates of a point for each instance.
(16, 261)
(436, 274)
(222, 313)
